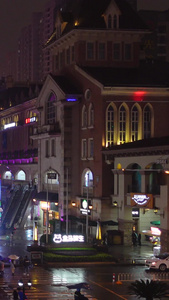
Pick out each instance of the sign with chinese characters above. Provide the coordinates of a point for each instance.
(141, 199)
(59, 238)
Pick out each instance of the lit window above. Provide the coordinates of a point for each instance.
(134, 124)
(110, 126)
(87, 183)
(122, 125)
(51, 109)
(147, 122)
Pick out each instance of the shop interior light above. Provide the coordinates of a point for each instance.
(156, 212)
(73, 203)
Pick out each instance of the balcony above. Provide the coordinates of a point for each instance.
(46, 130)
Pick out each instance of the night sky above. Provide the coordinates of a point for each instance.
(15, 14)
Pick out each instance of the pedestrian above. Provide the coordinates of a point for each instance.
(139, 239)
(15, 294)
(20, 294)
(12, 267)
(26, 264)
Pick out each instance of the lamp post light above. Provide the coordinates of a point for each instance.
(87, 215)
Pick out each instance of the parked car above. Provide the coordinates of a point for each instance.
(159, 262)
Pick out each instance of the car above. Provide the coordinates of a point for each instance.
(159, 262)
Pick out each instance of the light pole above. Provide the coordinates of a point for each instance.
(67, 228)
(87, 216)
(47, 212)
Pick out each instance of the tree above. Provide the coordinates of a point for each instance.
(149, 289)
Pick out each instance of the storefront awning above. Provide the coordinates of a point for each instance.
(157, 223)
(42, 196)
(90, 222)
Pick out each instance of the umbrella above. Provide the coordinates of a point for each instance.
(79, 286)
(13, 256)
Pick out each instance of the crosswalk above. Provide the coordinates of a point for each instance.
(45, 285)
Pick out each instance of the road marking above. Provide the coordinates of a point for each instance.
(108, 290)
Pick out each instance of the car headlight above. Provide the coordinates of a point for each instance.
(154, 263)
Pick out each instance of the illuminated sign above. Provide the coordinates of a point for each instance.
(155, 231)
(9, 125)
(140, 199)
(71, 99)
(138, 96)
(135, 212)
(30, 120)
(44, 206)
(59, 238)
(84, 207)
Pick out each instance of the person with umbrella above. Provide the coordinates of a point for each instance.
(78, 287)
(12, 267)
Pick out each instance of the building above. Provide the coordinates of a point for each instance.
(99, 98)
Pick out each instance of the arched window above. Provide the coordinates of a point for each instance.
(109, 21)
(84, 117)
(147, 122)
(122, 125)
(91, 115)
(110, 126)
(115, 22)
(134, 123)
(21, 175)
(51, 109)
(87, 182)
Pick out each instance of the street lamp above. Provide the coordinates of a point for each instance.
(87, 216)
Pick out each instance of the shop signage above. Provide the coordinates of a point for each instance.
(59, 238)
(45, 205)
(30, 120)
(155, 231)
(142, 199)
(84, 207)
(13, 124)
(135, 212)
(51, 175)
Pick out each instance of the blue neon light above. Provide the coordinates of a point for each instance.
(71, 99)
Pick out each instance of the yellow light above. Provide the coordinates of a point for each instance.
(43, 205)
(166, 172)
(73, 203)
(35, 232)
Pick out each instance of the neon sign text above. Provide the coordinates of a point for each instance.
(141, 199)
(9, 125)
(30, 120)
(58, 238)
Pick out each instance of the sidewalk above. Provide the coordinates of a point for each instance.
(131, 254)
